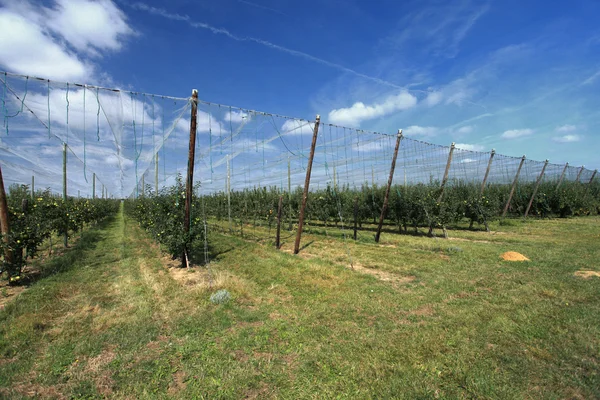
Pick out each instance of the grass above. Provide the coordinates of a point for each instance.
(416, 317)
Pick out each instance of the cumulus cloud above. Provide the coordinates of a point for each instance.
(425, 131)
(235, 116)
(470, 147)
(59, 40)
(434, 98)
(359, 111)
(567, 138)
(296, 127)
(516, 133)
(566, 129)
(465, 129)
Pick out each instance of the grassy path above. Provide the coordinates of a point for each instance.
(113, 322)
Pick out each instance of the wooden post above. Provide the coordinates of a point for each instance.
(389, 185)
(66, 238)
(562, 176)
(487, 171)
(278, 236)
(579, 174)
(4, 222)
(512, 189)
(228, 188)
(190, 173)
(355, 216)
(590, 182)
(94, 186)
(535, 189)
(290, 194)
(32, 187)
(445, 179)
(306, 183)
(156, 173)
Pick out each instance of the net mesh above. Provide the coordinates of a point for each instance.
(136, 143)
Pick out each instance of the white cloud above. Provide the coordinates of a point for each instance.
(591, 79)
(235, 116)
(566, 128)
(296, 127)
(567, 139)
(358, 112)
(465, 129)
(515, 133)
(434, 98)
(42, 57)
(89, 25)
(470, 147)
(425, 131)
(54, 42)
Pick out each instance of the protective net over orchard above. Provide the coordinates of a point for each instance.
(124, 144)
(128, 139)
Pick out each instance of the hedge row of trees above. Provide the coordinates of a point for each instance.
(34, 219)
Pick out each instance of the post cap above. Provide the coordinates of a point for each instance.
(493, 151)
(318, 117)
(399, 132)
(194, 92)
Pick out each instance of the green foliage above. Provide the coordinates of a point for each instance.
(33, 220)
(163, 217)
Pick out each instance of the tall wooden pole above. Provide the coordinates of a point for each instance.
(512, 189)
(190, 172)
(445, 179)
(579, 174)
(306, 183)
(4, 222)
(278, 236)
(562, 176)
(228, 188)
(487, 171)
(290, 194)
(389, 185)
(355, 216)
(156, 173)
(535, 189)
(593, 176)
(66, 238)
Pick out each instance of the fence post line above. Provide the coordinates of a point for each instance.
(487, 171)
(32, 187)
(278, 236)
(156, 173)
(4, 222)
(562, 176)
(512, 189)
(590, 182)
(289, 194)
(228, 188)
(388, 187)
(66, 238)
(355, 215)
(446, 173)
(306, 183)
(535, 189)
(190, 174)
(579, 174)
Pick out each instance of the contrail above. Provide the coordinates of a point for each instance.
(220, 31)
(262, 7)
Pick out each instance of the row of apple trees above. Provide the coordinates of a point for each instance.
(410, 206)
(34, 219)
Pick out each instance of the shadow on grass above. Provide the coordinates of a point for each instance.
(68, 259)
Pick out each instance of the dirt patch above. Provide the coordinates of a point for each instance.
(424, 311)
(383, 275)
(7, 293)
(263, 391)
(587, 274)
(178, 384)
(513, 256)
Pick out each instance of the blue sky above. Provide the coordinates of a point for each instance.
(520, 77)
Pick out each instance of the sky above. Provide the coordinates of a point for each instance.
(521, 77)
